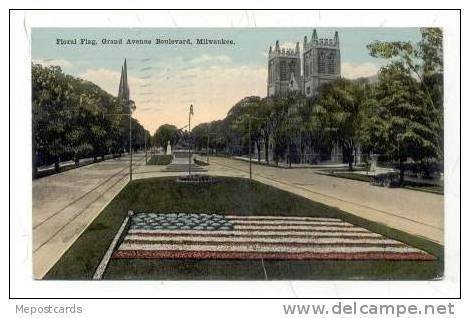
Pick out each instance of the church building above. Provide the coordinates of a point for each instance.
(291, 70)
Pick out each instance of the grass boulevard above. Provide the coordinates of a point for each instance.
(235, 196)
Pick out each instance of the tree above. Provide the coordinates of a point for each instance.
(52, 94)
(73, 118)
(424, 62)
(166, 133)
(409, 122)
(251, 121)
(341, 107)
(282, 123)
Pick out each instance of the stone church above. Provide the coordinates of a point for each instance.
(292, 70)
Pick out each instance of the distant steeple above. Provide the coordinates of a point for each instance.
(124, 93)
(277, 49)
(305, 41)
(297, 49)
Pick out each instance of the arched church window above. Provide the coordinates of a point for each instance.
(283, 71)
(292, 67)
(322, 62)
(331, 63)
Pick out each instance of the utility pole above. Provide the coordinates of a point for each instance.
(191, 112)
(249, 138)
(130, 139)
(145, 146)
(208, 144)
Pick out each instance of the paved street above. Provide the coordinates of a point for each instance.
(66, 203)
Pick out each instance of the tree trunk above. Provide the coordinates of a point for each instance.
(355, 156)
(349, 157)
(401, 166)
(266, 151)
(57, 165)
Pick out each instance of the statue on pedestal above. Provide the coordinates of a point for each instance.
(168, 148)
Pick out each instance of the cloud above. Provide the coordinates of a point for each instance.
(212, 88)
(213, 59)
(53, 62)
(356, 70)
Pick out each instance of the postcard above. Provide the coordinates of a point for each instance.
(238, 153)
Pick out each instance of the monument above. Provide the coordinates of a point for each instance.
(168, 148)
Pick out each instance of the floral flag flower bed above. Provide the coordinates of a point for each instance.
(214, 236)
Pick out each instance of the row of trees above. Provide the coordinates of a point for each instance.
(73, 118)
(399, 115)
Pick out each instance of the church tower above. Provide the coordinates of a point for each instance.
(322, 62)
(283, 70)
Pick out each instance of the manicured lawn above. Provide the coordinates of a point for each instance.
(437, 189)
(160, 160)
(229, 196)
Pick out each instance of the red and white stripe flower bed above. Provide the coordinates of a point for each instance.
(214, 236)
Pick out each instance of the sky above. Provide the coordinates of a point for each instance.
(165, 79)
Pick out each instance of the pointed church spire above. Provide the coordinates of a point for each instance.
(336, 38)
(121, 83)
(277, 49)
(126, 85)
(123, 93)
(305, 41)
(297, 48)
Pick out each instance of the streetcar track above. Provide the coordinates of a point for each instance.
(79, 198)
(76, 215)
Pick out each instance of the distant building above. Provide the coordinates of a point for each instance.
(289, 70)
(292, 70)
